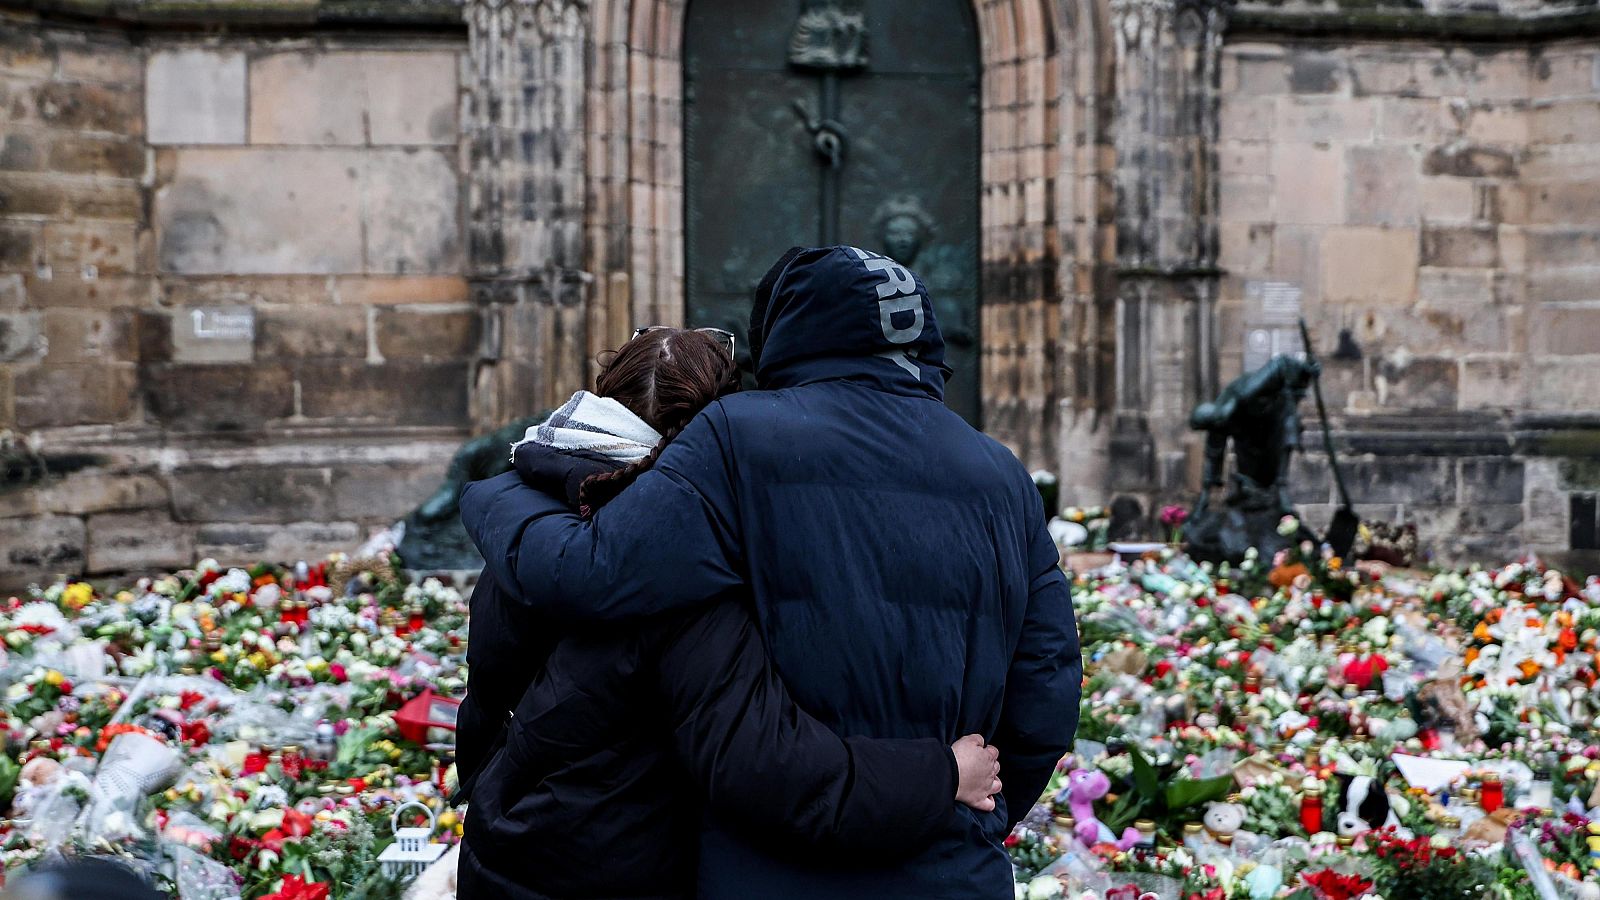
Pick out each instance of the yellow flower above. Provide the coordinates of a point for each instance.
(77, 595)
(54, 678)
(217, 656)
(124, 596)
(258, 659)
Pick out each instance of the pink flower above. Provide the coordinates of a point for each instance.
(1173, 516)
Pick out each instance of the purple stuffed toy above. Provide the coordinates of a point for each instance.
(1083, 788)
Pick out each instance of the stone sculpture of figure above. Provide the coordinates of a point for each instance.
(434, 539)
(1259, 414)
(903, 227)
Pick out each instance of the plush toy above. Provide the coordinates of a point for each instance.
(1490, 829)
(1083, 788)
(1364, 806)
(1223, 820)
(1263, 882)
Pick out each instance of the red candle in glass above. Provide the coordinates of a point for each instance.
(1311, 811)
(1491, 795)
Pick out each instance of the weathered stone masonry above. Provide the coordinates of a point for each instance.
(262, 267)
(233, 317)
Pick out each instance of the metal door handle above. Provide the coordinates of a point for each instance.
(827, 136)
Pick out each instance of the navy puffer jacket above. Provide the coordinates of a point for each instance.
(898, 561)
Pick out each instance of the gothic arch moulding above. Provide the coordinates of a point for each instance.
(1040, 208)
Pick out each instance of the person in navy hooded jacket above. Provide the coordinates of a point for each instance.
(898, 562)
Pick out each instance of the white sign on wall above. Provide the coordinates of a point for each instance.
(1273, 322)
(212, 323)
(214, 334)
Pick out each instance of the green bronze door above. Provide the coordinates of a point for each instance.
(834, 121)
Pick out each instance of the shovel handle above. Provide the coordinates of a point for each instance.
(1322, 413)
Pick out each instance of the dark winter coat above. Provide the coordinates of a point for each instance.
(595, 784)
(900, 568)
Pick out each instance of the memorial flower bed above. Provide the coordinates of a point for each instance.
(1297, 727)
(233, 732)
(1292, 727)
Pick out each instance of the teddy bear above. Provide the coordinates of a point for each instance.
(1223, 820)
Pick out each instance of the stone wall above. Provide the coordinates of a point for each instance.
(233, 317)
(242, 312)
(1434, 213)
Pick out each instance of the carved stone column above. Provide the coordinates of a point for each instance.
(1167, 55)
(525, 134)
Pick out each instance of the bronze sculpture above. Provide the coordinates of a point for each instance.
(1258, 413)
(903, 228)
(434, 539)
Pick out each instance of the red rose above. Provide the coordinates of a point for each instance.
(296, 823)
(196, 732)
(294, 888)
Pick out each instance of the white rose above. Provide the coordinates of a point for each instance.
(1045, 887)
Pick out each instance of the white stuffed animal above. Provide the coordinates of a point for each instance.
(1224, 820)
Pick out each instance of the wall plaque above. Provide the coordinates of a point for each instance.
(1272, 322)
(214, 334)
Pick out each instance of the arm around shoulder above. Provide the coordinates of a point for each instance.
(663, 544)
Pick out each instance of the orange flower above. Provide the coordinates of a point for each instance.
(114, 729)
(1529, 668)
(1482, 631)
(1472, 655)
(1283, 576)
(1568, 639)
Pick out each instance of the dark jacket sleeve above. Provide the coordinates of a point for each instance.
(767, 764)
(666, 543)
(1039, 714)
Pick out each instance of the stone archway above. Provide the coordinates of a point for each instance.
(1097, 214)
(1031, 187)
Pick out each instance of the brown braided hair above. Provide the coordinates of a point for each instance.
(665, 376)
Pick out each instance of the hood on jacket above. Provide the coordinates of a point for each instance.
(846, 313)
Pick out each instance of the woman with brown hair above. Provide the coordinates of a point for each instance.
(590, 756)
